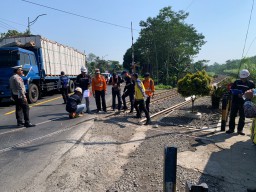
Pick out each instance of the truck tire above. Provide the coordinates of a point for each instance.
(71, 87)
(33, 93)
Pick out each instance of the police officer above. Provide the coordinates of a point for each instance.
(128, 90)
(83, 80)
(63, 86)
(150, 88)
(19, 95)
(116, 81)
(243, 84)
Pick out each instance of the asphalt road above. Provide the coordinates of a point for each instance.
(26, 152)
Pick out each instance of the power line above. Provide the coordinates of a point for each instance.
(75, 14)
(246, 35)
(7, 25)
(13, 22)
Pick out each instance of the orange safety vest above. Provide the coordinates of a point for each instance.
(99, 84)
(149, 87)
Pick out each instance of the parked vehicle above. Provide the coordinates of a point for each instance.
(107, 76)
(42, 61)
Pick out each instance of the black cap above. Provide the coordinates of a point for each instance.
(135, 75)
(62, 73)
(146, 75)
(124, 72)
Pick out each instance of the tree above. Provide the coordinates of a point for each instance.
(12, 33)
(197, 84)
(168, 44)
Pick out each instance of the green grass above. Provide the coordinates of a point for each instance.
(161, 86)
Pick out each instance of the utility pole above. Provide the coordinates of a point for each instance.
(133, 67)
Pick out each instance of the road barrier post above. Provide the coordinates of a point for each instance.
(196, 188)
(170, 169)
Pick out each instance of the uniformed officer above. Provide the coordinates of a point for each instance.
(19, 95)
(83, 80)
(116, 81)
(63, 86)
(242, 84)
(128, 90)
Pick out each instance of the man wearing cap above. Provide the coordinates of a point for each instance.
(99, 90)
(128, 90)
(63, 86)
(242, 84)
(74, 106)
(140, 96)
(19, 95)
(150, 88)
(116, 81)
(83, 81)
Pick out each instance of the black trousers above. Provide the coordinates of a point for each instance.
(22, 110)
(148, 103)
(139, 105)
(131, 96)
(235, 107)
(116, 93)
(100, 97)
(64, 92)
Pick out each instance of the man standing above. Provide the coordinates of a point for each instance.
(74, 106)
(99, 90)
(140, 96)
(83, 81)
(115, 81)
(242, 85)
(150, 88)
(63, 86)
(19, 95)
(128, 90)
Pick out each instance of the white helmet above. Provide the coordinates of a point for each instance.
(78, 89)
(83, 69)
(244, 73)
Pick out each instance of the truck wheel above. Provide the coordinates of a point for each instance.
(71, 87)
(33, 93)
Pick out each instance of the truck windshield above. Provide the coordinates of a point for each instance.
(8, 59)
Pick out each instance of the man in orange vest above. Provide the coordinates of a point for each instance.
(99, 90)
(149, 87)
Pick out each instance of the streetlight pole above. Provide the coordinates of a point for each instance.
(33, 22)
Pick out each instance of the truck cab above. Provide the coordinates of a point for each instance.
(14, 56)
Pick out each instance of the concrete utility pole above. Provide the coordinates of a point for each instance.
(33, 22)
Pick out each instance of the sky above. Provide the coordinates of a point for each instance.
(102, 27)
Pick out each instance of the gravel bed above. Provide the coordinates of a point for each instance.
(144, 172)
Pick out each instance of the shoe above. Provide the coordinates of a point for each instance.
(19, 125)
(240, 133)
(229, 131)
(148, 123)
(79, 115)
(29, 125)
(72, 115)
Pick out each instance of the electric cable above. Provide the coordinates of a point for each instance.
(246, 37)
(75, 14)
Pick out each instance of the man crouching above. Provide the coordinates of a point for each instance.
(74, 106)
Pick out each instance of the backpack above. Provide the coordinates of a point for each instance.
(64, 81)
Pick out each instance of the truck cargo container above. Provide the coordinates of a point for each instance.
(42, 61)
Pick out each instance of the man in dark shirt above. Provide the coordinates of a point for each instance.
(128, 90)
(83, 81)
(74, 106)
(116, 81)
(241, 85)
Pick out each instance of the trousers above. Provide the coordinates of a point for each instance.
(22, 110)
(100, 98)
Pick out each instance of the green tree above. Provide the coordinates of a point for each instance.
(12, 33)
(197, 84)
(168, 44)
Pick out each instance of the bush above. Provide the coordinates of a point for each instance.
(161, 86)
